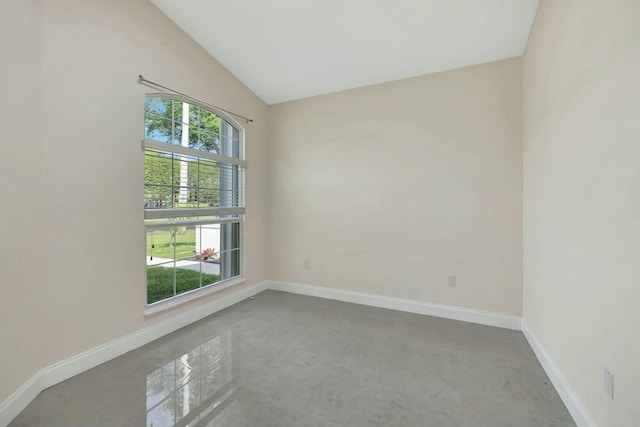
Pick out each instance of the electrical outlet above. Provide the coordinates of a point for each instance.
(452, 280)
(305, 264)
(608, 382)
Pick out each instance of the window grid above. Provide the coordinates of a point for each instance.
(204, 248)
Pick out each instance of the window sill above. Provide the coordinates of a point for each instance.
(191, 295)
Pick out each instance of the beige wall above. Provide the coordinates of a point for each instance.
(391, 188)
(20, 233)
(387, 189)
(582, 198)
(74, 275)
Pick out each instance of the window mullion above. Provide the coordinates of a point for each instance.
(173, 180)
(189, 151)
(175, 267)
(214, 207)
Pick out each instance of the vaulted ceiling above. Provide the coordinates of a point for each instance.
(291, 49)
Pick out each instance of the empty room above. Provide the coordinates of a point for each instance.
(320, 213)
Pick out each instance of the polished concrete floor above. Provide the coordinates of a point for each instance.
(286, 360)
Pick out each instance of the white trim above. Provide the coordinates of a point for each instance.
(167, 147)
(160, 306)
(570, 400)
(14, 404)
(411, 306)
(159, 213)
(77, 364)
(187, 222)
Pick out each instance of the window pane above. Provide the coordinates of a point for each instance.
(184, 196)
(185, 242)
(234, 236)
(220, 255)
(179, 181)
(209, 241)
(160, 244)
(231, 264)
(193, 256)
(229, 185)
(187, 264)
(158, 178)
(158, 128)
(230, 256)
(163, 120)
(207, 131)
(209, 182)
(160, 264)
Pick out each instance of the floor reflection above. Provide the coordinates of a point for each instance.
(283, 360)
(194, 388)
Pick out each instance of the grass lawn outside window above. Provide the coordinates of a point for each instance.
(160, 282)
(159, 244)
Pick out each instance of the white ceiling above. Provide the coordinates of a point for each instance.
(291, 49)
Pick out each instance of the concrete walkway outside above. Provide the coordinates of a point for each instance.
(207, 267)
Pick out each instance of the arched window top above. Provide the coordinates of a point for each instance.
(193, 200)
(171, 120)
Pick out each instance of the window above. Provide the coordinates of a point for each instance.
(193, 198)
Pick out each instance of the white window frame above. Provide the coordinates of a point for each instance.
(170, 213)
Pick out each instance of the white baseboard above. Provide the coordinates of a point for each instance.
(77, 364)
(411, 306)
(68, 368)
(570, 400)
(19, 400)
(575, 408)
